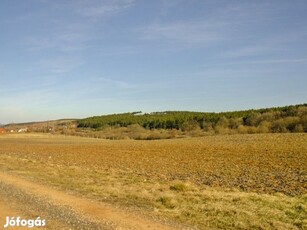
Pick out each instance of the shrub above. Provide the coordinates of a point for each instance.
(179, 187)
(242, 129)
(299, 128)
(167, 202)
(264, 127)
(190, 125)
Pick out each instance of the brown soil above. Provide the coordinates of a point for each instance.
(265, 163)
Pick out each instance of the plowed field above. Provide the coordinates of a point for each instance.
(260, 163)
(158, 175)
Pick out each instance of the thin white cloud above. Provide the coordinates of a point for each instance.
(228, 26)
(34, 97)
(219, 25)
(98, 8)
(278, 61)
(244, 52)
(71, 37)
(115, 83)
(185, 32)
(60, 65)
(65, 37)
(266, 61)
(77, 34)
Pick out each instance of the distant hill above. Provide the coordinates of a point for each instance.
(278, 119)
(170, 124)
(39, 126)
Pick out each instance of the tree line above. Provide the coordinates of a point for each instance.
(279, 119)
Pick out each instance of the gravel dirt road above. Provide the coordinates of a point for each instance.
(19, 197)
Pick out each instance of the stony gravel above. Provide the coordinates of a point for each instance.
(30, 205)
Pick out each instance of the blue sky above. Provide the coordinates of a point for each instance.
(79, 58)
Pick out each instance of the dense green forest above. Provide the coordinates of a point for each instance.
(277, 120)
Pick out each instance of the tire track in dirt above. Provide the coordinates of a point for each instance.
(65, 211)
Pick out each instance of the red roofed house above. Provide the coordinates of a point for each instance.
(2, 130)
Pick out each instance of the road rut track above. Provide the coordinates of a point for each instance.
(65, 210)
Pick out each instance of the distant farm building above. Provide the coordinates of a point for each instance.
(22, 130)
(2, 130)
